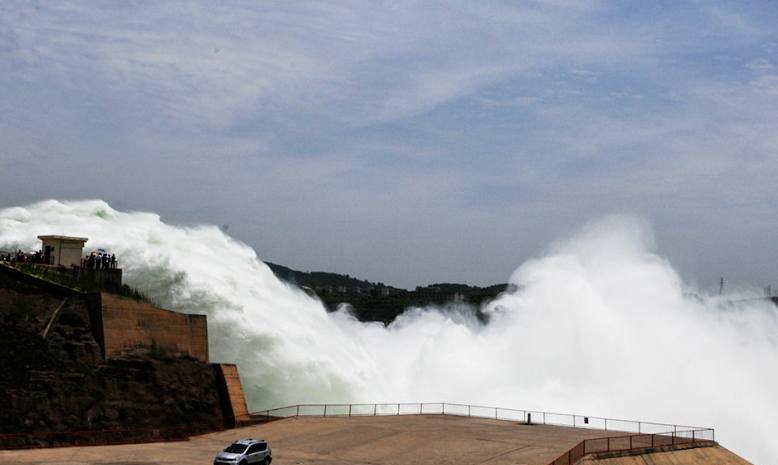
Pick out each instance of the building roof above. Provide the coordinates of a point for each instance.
(64, 238)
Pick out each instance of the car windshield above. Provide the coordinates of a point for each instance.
(235, 448)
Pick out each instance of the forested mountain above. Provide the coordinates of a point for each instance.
(378, 302)
(317, 278)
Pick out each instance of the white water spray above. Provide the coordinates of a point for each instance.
(600, 326)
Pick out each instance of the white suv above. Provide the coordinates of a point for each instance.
(245, 452)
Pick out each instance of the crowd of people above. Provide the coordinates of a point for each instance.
(21, 257)
(93, 261)
(99, 260)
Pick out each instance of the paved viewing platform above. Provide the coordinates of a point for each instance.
(384, 440)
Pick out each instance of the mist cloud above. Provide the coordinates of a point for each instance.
(600, 324)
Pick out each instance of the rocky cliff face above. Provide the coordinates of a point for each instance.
(61, 383)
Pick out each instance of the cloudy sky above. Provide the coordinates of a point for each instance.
(407, 142)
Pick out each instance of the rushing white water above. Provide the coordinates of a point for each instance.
(600, 325)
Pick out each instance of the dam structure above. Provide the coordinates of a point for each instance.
(133, 341)
(97, 360)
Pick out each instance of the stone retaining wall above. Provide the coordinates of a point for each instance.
(130, 326)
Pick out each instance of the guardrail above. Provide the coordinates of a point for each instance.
(497, 413)
(633, 442)
(649, 435)
(648, 432)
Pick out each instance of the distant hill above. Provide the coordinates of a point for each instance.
(316, 278)
(377, 302)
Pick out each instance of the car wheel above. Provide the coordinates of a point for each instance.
(267, 461)
(243, 462)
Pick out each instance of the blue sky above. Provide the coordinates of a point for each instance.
(407, 142)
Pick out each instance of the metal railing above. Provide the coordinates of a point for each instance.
(634, 442)
(497, 413)
(648, 432)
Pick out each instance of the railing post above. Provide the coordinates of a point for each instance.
(298, 411)
(468, 411)
(325, 410)
(375, 409)
(349, 409)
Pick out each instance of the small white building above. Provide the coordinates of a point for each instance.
(63, 250)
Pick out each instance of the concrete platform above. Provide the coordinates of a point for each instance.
(383, 440)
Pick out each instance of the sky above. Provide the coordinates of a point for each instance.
(406, 142)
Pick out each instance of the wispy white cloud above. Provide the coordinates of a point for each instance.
(499, 113)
